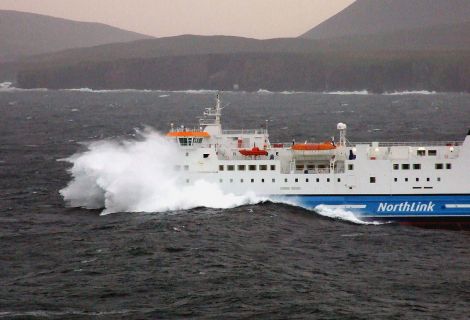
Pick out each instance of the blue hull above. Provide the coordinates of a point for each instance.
(411, 209)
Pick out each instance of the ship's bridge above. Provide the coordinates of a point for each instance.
(188, 137)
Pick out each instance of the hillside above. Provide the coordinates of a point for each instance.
(23, 34)
(169, 46)
(436, 38)
(378, 72)
(365, 17)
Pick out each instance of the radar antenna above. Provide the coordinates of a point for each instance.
(213, 115)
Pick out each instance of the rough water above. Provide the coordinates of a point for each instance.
(232, 257)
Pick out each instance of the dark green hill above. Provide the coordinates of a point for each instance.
(376, 72)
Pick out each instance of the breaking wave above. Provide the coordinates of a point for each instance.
(137, 176)
(342, 214)
(8, 87)
(362, 92)
(404, 93)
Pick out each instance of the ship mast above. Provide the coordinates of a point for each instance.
(212, 116)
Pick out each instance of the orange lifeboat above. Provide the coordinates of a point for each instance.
(255, 151)
(314, 146)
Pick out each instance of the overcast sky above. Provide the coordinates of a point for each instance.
(249, 18)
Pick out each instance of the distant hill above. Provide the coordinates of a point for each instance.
(376, 72)
(365, 17)
(436, 38)
(23, 34)
(428, 52)
(171, 46)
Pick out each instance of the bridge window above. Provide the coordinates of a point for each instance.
(406, 179)
(273, 167)
(439, 179)
(231, 180)
(241, 180)
(230, 167)
(405, 166)
(185, 141)
(241, 167)
(252, 167)
(306, 180)
(252, 180)
(186, 168)
(221, 167)
(263, 167)
(417, 166)
(327, 179)
(285, 180)
(187, 180)
(432, 152)
(318, 179)
(439, 166)
(396, 166)
(262, 180)
(274, 180)
(421, 153)
(417, 179)
(350, 167)
(296, 180)
(428, 179)
(372, 179)
(339, 179)
(205, 155)
(395, 179)
(221, 180)
(448, 166)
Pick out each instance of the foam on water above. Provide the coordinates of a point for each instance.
(404, 93)
(342, 214)
(138, 176)
(362, 92)
(334, 213)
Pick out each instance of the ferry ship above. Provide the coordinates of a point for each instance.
(418, 183)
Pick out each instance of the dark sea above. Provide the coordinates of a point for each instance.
(257, 261)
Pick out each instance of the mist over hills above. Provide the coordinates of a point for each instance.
(365, 17)
(392, 45)
(24, 34)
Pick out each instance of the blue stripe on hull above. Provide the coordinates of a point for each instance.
(392, 207)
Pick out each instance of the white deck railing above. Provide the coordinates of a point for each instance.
(245, 131)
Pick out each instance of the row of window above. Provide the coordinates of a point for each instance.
(417, 166)
(371, 180)
(251, 167)
(422, 153)
(374, 179)
(189, 141)
(296, 180)
(301, 167)
(417, 179)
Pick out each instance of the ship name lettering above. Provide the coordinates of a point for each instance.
(406, 207)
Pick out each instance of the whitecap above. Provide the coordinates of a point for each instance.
(362, 92)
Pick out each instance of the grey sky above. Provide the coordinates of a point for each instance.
(248, 18)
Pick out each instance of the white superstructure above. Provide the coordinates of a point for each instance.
(245, 160)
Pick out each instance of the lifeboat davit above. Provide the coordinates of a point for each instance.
(255, 151)
(314, 146)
